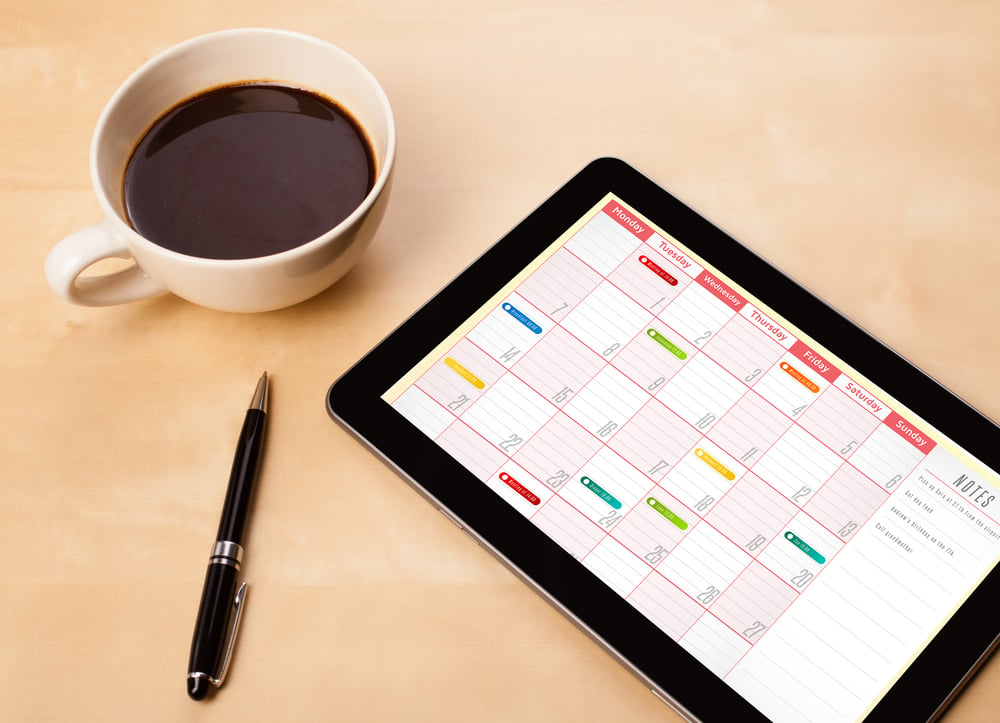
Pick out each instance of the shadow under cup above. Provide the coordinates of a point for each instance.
(228, 58)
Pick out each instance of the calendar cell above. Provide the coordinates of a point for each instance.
(607, 320)
(752, 514)
(742, 349)
(654, 439)
(797, 465)
(696, 314)
(606, 403)
(509, 330)
(557, 451)
(702, 477)
(844, 503)
(423, 411)
(606, 488)
(654, 527)
(886, 458)
(702, 392)
(750, 428)
(461, 376)
(704, 564)
(654, 357)
(801, 551)
(558, 366)
(559, 284)
(839, 422)
(753, 602)
(650, 279)
(790, 386)
(509, 413)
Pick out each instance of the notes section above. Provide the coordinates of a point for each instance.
(725, 478)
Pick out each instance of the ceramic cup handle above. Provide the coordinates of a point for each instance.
(82, 249)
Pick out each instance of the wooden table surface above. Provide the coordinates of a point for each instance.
(855, 144)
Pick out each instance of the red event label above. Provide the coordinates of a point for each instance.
(656, 269)
(520, 488)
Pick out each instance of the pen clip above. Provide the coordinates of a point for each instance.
(238, 601)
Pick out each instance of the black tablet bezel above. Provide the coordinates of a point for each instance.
(355, 401)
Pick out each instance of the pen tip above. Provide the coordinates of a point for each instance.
(197, 688)
(259, 400)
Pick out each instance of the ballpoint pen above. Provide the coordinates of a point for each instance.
(221, 602)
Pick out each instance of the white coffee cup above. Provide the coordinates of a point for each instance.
(247, 284)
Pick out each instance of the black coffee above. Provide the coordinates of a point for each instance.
(247, 170)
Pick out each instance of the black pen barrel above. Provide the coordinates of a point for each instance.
(239, 493)
(214, 615)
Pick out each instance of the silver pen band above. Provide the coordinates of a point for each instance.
(226, 552)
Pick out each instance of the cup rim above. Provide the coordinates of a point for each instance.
(383, 171)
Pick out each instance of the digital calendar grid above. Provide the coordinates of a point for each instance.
(679, 441)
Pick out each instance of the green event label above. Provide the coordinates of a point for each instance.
(666, 343)
(667, 513)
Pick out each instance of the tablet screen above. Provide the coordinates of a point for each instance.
(782, 517)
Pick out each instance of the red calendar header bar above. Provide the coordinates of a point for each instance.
(910, 433)
(814, 362)
(721, 291)
(637, 226)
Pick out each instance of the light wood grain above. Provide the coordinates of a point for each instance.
(855, 144)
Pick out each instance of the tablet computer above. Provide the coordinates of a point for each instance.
(750, 502)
